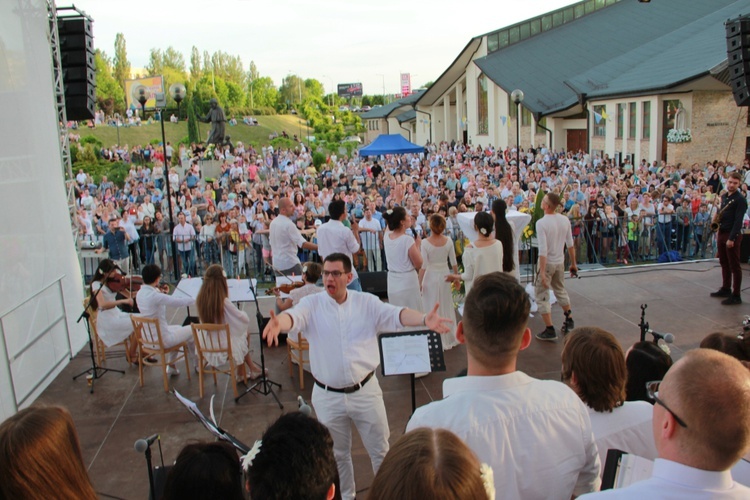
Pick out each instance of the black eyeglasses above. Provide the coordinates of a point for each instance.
(652, 389)
(335, 274)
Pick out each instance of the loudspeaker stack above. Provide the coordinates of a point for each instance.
(78, 67)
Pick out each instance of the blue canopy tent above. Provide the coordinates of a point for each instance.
(388, 144)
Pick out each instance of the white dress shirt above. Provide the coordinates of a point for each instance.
(674, 481)
(535, 434)
(627, 428)
(285, 240)
(333, 236)
(153, 304)
(343, 337)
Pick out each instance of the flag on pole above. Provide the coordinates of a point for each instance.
(597, 117)
(604, 115)
(503, 119)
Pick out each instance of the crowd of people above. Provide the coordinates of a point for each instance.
(494, 435)
(619, 213)
(271, 213)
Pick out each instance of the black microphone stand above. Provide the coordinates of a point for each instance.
(95, 370)
(643, 324)
(265, 385)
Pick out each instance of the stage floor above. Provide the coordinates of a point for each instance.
(120, 412)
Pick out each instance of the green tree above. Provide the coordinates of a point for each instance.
(173, 59)
(253, 74)
(314, 88)
(292, 91)
(195, 64)
(155, 64)
(235, 96)
(121, 63)
(265, 92)
(109, 94)
(193, 134)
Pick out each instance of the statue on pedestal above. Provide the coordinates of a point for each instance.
(217, 120)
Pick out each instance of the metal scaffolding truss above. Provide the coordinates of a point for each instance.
(57, 72)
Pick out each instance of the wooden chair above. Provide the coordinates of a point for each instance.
(300, 346)
(100, 350)
(215, 339)
(148, 334)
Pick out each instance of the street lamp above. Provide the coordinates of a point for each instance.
(383, 76)
(517, 97)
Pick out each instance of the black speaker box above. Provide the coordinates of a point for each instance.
(375, 283)
(79, 107)
(78, 67)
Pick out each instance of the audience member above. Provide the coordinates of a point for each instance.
(205, 471)
(40, 457)
(593, 365)
(501, 412)
(646, 361)
(701, 428)
(293, 460)
(432, 464)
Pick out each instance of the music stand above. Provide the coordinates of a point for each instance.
(411, 352)
(96, 371)
(265, 385)
(211, 425)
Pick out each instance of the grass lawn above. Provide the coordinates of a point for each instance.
(175, 132)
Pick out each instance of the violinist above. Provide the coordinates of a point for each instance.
(112, 324)
(153, 303)
(310, 274)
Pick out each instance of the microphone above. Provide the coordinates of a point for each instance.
(666, 337)
(304, 408)
(142, 445)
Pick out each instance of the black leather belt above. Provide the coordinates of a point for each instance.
(346, 390)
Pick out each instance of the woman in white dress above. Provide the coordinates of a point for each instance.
(215, 307)
(112, 324)
(404, 260)
(437, 251)
(483, 256)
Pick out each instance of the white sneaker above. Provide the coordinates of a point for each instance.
(172, 372)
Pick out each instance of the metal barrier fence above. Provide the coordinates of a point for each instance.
(624, 240)
(619, 240)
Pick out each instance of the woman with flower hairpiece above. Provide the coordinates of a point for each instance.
(483, 256)
(215, 307)
(432, 464)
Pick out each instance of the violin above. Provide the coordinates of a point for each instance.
(119, 283)
(285, 288)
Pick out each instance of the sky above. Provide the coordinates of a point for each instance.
(333, 41)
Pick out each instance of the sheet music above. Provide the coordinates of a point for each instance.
(406, 354)
(239, 290)
(633, 469)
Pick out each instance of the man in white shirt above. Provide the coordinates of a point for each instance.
(553, 234)
(152, 303)
(664, 229)
(371, 240)
(184, 234)
(341, 327)
(535, 434)
(701, 425)
(285, 239)
(127, 223)
(593, 365)
(335, 237)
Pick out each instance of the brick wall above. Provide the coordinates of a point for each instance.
(713, 124)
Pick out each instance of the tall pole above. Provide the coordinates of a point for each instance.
(175, 264)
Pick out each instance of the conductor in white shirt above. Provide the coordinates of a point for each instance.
(701, 428)
(341, 327)
(285, 239)
(335, 237)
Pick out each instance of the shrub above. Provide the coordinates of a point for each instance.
(318, 160)
(90, 139)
